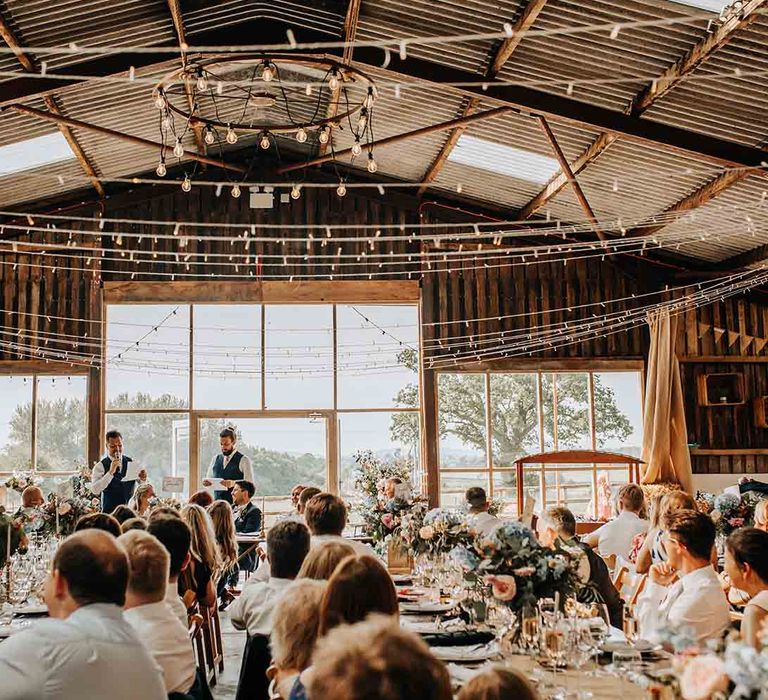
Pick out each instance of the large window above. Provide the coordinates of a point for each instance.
(42, 423)
(488, 420)
(307, 386)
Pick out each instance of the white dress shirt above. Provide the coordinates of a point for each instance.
(245, 466)
(615, 537)
(696, 602)
(252, 609)
(92, 655)
(176, 604)
(100, 477)
(168, 642)
(483, 523)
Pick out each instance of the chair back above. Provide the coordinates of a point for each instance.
(253, 683)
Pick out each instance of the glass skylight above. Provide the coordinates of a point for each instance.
(711, 5)
(32, 153)
(504, 160)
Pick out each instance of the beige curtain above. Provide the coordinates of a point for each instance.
(665, 438)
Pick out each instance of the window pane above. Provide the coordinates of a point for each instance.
(514, 417)
(461, 420)
(155, 373)
(505, 490)
(299, 356)
(570, 488)
(377, 348)
(453, 485)
(15, 423)
(158, 441)
(283, 451)
(548, 409)
(389, 436)
(227, 356)
(619, 412)
(573, 431)
(61, 410)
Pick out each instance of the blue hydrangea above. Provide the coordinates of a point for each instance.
(439, 516)
(726, 502)
(510, 531)
(746, 666)
(464, 558)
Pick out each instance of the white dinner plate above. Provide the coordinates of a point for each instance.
(431, 608)
(468, 654)
(402, 578)
(431, 627)
(33, 609)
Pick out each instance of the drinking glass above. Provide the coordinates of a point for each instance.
(554, 642)
(625, 660)
(530, 628)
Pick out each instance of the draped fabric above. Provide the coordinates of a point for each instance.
(665, 437)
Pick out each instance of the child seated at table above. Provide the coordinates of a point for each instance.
(498, 683)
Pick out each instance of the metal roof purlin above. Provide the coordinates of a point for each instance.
(694, 58)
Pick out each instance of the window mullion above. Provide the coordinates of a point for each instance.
(34, 422)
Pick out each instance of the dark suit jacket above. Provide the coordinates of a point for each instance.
(248, 519)
(600, 577)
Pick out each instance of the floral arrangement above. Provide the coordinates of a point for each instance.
(19, 481)
(438, 531)
(168, 502)
(386, 519)
(519, 569)
(70, 509)
(728, 511)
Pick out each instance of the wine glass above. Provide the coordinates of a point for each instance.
(554, 641)
(582, 648)
(530, 628)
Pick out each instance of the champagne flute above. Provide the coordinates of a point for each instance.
(530, 627)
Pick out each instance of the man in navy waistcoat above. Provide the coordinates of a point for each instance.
(229, 465)
(108, 475)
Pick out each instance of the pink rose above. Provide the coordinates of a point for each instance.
(427, 532)
(736, 522)
(388, 521)
(504, 588)
(525, 571)
(64, 508)
(702, 677)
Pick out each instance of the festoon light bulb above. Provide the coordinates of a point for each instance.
(324, 135)
(268, 73)
(187, 184)
(231, 136)
(209, 137)
(264, 141)
(372, 166)
(178, 149)
(159, 99)
(301, 134)
(202, 81)
(333, 81)
(341, 190)
(235, 191)
(161, 170)
(295, 192)
(357, 149)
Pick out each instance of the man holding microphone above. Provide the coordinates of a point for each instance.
(112, 477)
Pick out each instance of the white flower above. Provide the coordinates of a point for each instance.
(427, 532)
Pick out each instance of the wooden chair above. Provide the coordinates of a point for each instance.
(218, 644)
(196, 637)
(620, 577)
(209, 647)
(638, 589)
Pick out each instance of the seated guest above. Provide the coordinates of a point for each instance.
(174, 534)
(247, 520)
(87, 650)
(148, 613)
(746, 563)
(99, 521)
(684, 591)
(32, 497)
(359, 587)
(376, 660)
(133, 524)
(201, 498)
(480, 520)
(295, 493)
(287, 545)
(197, 582)
(614, 539)
(761, 515)
(557, 526)
(652, 551)
(304, 496)
(223, 522)
(390, 487)
(498, 683)
(17, 538)
(326, 517)
(123, 513)
(322, 560)
(141, 502)
(295, 624)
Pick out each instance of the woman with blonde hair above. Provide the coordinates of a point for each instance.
(141, 502)
(223, 521)
(295, 623)
(652, 551)
(761, 515)
(322, 560)
(498, 683)
(197, 581)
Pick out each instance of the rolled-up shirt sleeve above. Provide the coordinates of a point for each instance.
(247, 468)
(100, 478)
(209, 474)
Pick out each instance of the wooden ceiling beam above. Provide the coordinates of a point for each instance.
(28, 64)
(502, 55)
(655, 90)
(178, 24)
(349, 33)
